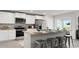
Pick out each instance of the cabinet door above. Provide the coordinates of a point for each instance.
(39, 17)
(3, 35)
(20, 15)
(6, 17)
(12, 34)
(30, 19)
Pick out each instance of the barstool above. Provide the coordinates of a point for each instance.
(41, 43)
(35, 44)
(56, 43)
(63, 40)
(68, 38)
(59, 41)
(50, 43)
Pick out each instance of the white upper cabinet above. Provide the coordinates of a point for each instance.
(6, 17)
(30, 19)
(20, 15)
(39, 17)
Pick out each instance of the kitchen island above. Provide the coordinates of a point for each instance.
(30, 37)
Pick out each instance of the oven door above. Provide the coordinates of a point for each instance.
(19, 33)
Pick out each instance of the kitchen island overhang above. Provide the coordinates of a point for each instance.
(30, 37)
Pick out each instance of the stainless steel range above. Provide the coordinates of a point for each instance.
(20, 27)
(19, 31)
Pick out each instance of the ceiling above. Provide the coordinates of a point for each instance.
(47, 12)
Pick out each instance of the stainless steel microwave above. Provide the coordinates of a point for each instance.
(20, 20)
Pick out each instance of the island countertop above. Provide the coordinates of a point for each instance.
(44, 33)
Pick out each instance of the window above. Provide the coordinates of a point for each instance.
(59, 24)
(67, 24)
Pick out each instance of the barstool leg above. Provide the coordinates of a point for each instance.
(41, 45)
(72, 42)
(66, 42)
(69, 42)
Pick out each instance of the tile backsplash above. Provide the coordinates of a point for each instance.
(8, 26)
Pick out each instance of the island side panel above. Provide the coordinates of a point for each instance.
(27, 40)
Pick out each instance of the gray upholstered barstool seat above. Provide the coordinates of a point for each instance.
(50, 42)
(41, 43)
(61, 41)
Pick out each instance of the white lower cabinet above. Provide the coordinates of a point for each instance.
(7, 35)
(12, 34)
(3, 35)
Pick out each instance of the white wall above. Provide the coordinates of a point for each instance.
(74, 21)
